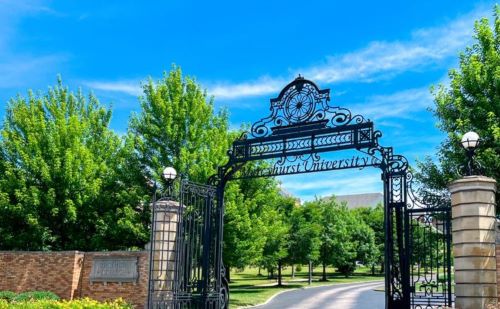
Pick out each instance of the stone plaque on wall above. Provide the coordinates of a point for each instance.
(114, 269)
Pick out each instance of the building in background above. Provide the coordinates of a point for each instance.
(359, 200)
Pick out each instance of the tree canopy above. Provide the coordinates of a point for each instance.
(67, 181)
(470, 102)
(177, 127)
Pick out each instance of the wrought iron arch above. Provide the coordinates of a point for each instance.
(301, 126)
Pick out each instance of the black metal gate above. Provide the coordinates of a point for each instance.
(183, 248)
(186, 261)
(429, 252)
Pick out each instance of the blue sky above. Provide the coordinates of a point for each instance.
(378, 59)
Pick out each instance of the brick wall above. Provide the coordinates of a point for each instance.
(67, 275)
(51, 271)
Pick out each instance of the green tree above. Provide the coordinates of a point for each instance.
(344, 247)
(328, 220)
(345, 237)
(471, 102)
(374, 218)
(177, 127)
(276, 240)
(363, 238)
(68, 181)
(304, 235)
(244, 238)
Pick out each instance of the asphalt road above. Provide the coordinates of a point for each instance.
(341, 296)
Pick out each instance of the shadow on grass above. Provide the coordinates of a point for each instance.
(238, 288)
(251, 276)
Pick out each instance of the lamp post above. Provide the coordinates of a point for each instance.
(169, 174)
(470, 141)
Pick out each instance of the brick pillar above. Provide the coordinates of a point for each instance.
(473, 226)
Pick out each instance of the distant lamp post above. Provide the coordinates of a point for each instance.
(470, 141)
(169, 174)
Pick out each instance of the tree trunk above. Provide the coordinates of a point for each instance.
(324, 272)
(373, 269)
(279, 273)
(382, 267)
(310, 272)
(259, 272)
(293, 271)
(228, 274)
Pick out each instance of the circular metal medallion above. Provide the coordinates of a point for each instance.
(299, 105)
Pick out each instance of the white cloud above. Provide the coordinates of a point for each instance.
(262, 86)
(400, 104)
(17, 71)
(378, 60)
(426, 46)
(127, 87)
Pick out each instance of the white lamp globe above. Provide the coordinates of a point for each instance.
(169, 173)
(470, 140)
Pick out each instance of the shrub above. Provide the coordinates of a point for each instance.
(35, 295)
(298, 267)
(85, 303)
(7, 295)
(346, 269)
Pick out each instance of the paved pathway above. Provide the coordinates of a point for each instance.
(340, 296)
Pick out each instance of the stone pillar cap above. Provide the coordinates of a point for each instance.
(473, 183)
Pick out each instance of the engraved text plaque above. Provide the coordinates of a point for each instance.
(114, 269)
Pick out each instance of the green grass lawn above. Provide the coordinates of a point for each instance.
(249, 288)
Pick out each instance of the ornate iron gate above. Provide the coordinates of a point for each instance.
(186, 264)
(428, 232)
(183, 248)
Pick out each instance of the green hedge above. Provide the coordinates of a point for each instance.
(35, 295)
(85, 303)
(10, 296)
(7, 295)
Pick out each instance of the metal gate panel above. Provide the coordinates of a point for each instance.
(429, 252)
(182, 248)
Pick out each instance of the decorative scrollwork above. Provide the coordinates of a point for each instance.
(302, 103)
(199, 189)
(420, 197)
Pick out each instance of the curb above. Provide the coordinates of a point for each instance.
(303, 288)
(269, 299)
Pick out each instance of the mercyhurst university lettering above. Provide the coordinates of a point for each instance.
(312, 166)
